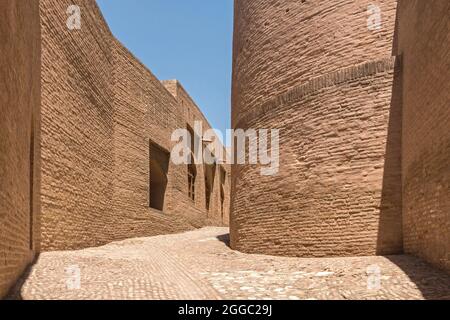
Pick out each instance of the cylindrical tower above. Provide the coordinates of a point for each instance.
(322, 73)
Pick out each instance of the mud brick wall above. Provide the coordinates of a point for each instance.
(190, 113)
(282, 44)
(145, 111)
(19, 137)
(101, 109)
(315, 71)
(423, 35)
(77, 128)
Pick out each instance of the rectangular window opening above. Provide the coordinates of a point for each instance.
(159, 166)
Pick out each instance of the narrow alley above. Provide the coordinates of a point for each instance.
(200, 265)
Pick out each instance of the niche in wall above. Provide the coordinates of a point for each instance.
(159, 166)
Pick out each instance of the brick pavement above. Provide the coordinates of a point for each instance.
(200, 265)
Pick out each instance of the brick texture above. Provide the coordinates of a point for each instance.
(423, 38)
(79, 114)
(190, 113)
(101, 109)
(281, 44)
(19, 137)
(77, 128)
(316, 72)
(364, 138)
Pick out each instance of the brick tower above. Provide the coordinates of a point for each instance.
(323, 73)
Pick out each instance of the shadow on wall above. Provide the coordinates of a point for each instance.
(390, 235)
(391, 217)
(210, 175)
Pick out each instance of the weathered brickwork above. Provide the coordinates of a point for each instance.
(85, 179)
(364, 141)
(77, 128)
(190, 113)
(281, 44)
(330, 93)
(334, 194)
(364, 138)
(101, 111)
(19, 137)
(423, 40)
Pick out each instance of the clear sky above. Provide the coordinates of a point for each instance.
(188, 40)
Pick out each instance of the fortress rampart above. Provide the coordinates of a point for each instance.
(423, 42)
(315, 71)
(20, 56)
(101, 110)
(363, 118)
(104, 139)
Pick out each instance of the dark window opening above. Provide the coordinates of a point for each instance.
(191, 137)
(194, 138)
(159, 166)
(192, 170)
(223, 176)
(210, 172)
(192, 176)
(222, 201)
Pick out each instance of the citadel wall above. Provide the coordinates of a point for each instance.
(316, 72)
(77, 128)
(102, 110)
(423, 35)
(191, 113)
(364, 137)
(81, 117)
(19, 137)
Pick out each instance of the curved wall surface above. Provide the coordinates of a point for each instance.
(314, 70)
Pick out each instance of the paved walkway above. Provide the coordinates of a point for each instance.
(199, 265)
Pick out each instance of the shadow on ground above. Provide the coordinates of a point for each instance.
(16, 291)
(225, 238)
(434, 284)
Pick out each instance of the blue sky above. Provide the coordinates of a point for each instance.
(186, 40)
